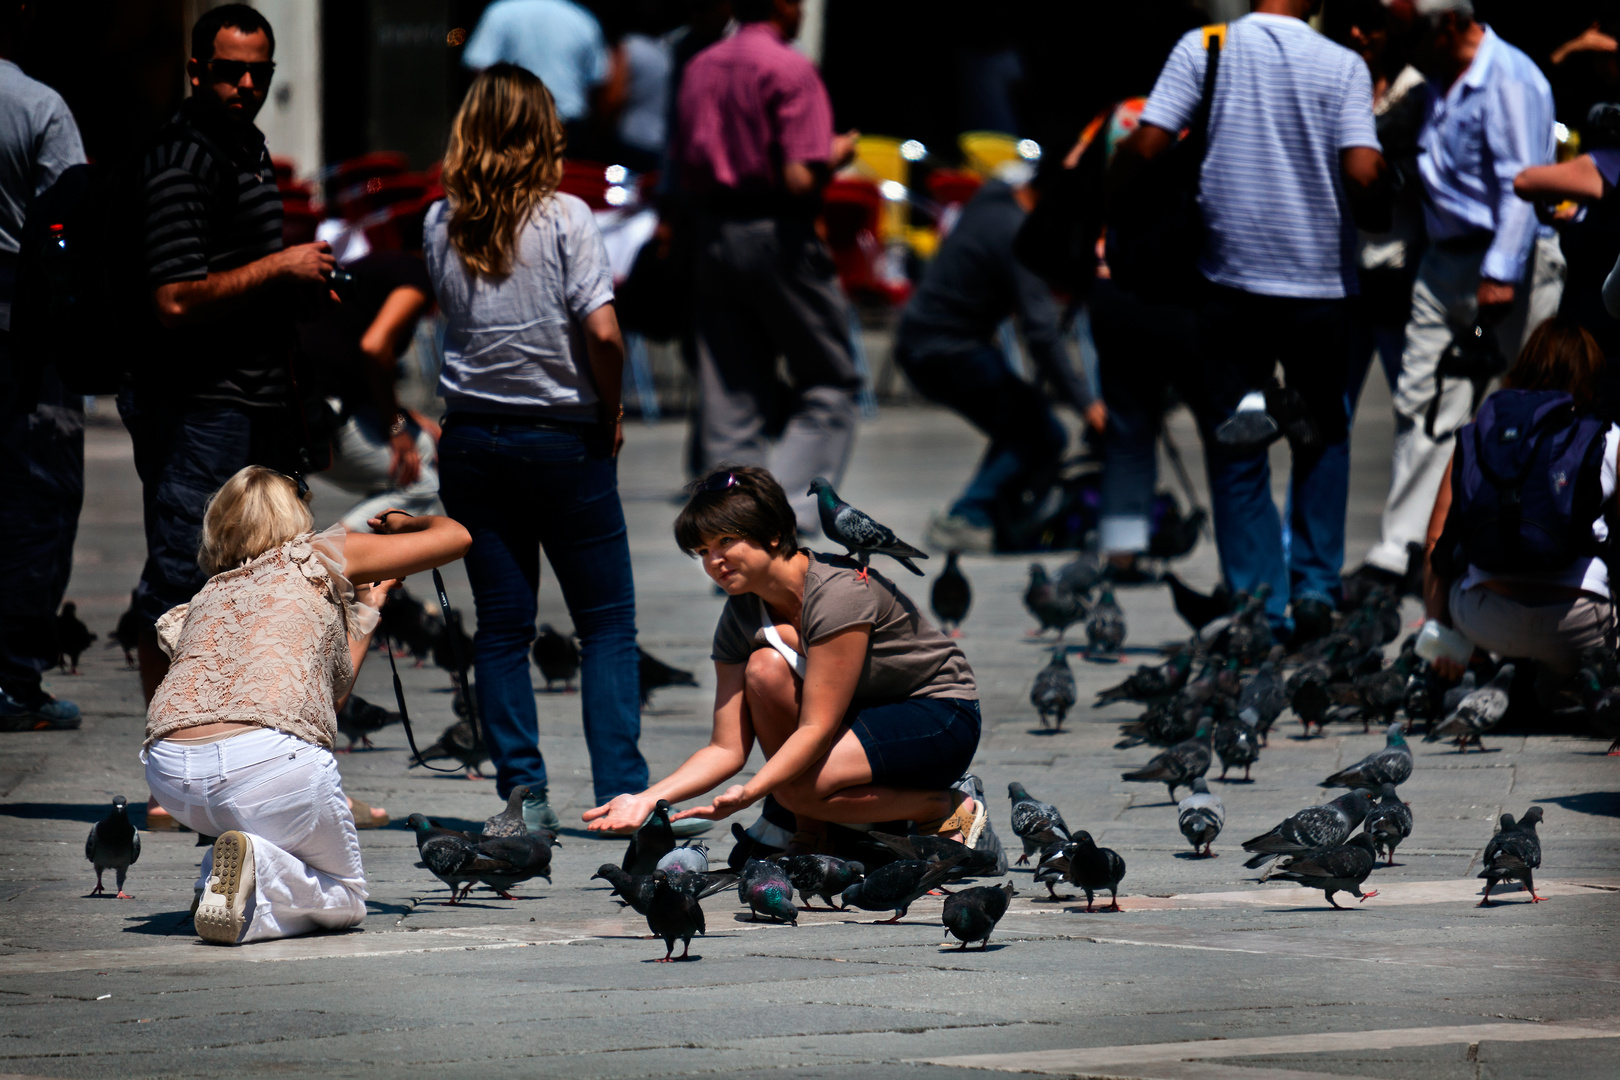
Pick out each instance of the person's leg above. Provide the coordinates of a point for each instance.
(1238, 353)
(1443, 299)
(802, 306)
(481, 473)
(42, 488)
(1316, 359)
(362, 459)
(583, 534)
(1536, 299)
(736, 361)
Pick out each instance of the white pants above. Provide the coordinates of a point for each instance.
(287, 796)
(1444, 301)
(361, 459)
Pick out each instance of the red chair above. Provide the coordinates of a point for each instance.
(851, 214)
(285, 169)
(380, 192)
(347, 175)
(399, 227)
(951, 188)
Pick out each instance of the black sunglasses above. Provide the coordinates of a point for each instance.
(298, 481)
(231, 71)
(718, 482)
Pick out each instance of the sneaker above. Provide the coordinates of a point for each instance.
(953, 532)
(1313, 619)
(982, 836)
(1251, 426)
(46, 714)
(537, 812)
(222, 914)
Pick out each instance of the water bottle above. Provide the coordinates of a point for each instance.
(1437, 642)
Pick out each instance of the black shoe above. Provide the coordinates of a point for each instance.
(1251, 427)
(1312, 619)
(1359, 585)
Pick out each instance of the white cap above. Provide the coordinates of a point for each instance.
(1430, 8)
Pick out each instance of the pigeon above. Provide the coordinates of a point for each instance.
(1080, 574)
(359, 718)
(1197, 609)
(1247, 637)
(451, 857)
(72, 638)
(655, 675)
(509, 822)
(1105, 626)
(1054, 607)
(518, 857)
(1454, 697)
(1378, 694)
(1390, 821)
(113, 844)
(1311, 829)
(673, 912)
(765, 890)
(461, 741)
(1030, 817)
(1308, 696)
(1150, 682)
(936, 849)
(651, 842)
(404, 622)
(896, 887)
(1602, 705)
(636, 892)
(1477, 713)
(1054, 694)
(1238, 743)
(1263, 694)
(821, 876)
(972, 914)
(951, 596)
(452, 646)
(1177, 766)
(1091, 867)
(1201, 817)
(127, 634)
(557, 656)
(1338, 869)
(1514, 852)
(1391, 765)
(688, 858)
(861, 536)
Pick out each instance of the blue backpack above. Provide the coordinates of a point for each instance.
(1526, 486)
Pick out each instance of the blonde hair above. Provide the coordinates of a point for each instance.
(252, 512)
(505, 159)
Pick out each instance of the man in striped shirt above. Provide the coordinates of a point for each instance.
(212, 393)
(1291, 141)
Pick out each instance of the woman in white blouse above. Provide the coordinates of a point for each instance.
(239, 735)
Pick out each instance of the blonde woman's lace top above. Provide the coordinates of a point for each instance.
(265, 643)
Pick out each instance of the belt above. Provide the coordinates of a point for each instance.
(517, 420)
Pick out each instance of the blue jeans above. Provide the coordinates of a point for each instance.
(42, 489)
(1026, 439)
(521, 487)
(1244, 336)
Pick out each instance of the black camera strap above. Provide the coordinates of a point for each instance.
(463, 688)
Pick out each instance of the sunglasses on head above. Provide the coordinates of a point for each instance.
(231, 71)
(718, 482)
(297, 480)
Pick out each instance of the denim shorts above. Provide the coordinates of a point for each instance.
(920, 743)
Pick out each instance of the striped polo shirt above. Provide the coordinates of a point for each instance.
(203, 216)
(1287, 101)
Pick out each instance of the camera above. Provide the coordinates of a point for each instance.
(341, 282)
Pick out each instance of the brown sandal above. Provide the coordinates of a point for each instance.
(960, 819)
(364, 817)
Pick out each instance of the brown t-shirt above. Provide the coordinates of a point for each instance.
(908, 657)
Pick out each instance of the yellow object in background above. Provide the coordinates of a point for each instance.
(987, 151)
(877, 157)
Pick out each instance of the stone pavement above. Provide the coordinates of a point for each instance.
(1205, 973)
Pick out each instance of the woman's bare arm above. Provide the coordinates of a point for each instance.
(1578, 178)
(402, 545)
(727, 752)
(1436, 587)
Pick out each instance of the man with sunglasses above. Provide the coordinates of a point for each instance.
(213, 391)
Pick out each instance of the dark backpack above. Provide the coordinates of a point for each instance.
(82, 301)
(1526, 486)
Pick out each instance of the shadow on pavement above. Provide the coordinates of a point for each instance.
(86, 812)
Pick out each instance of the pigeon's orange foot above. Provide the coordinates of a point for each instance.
(122, 895)
(1369, 892)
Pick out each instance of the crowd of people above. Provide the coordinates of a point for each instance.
(1282, 206)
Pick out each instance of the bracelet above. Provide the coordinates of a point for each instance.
(397, 428)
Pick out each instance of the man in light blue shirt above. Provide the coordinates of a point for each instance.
(1489, 116)
(1291, 140)
(557, 40)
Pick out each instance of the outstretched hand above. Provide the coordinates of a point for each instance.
(620, 814)
(729, 802)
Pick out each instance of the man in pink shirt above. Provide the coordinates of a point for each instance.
(755, 145)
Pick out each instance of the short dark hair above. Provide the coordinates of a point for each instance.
(1560, 355)
(752, 506)
(753, 11)
(237, 17)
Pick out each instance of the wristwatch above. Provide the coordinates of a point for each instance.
(398, 426)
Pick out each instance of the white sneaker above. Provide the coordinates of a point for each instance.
(222, 915)
(950, 532)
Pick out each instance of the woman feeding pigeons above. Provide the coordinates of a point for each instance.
(864, 710)
(239, 735)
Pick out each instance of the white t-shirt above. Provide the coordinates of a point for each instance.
(1587, 574)
(514, 344)
(1287, 101)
